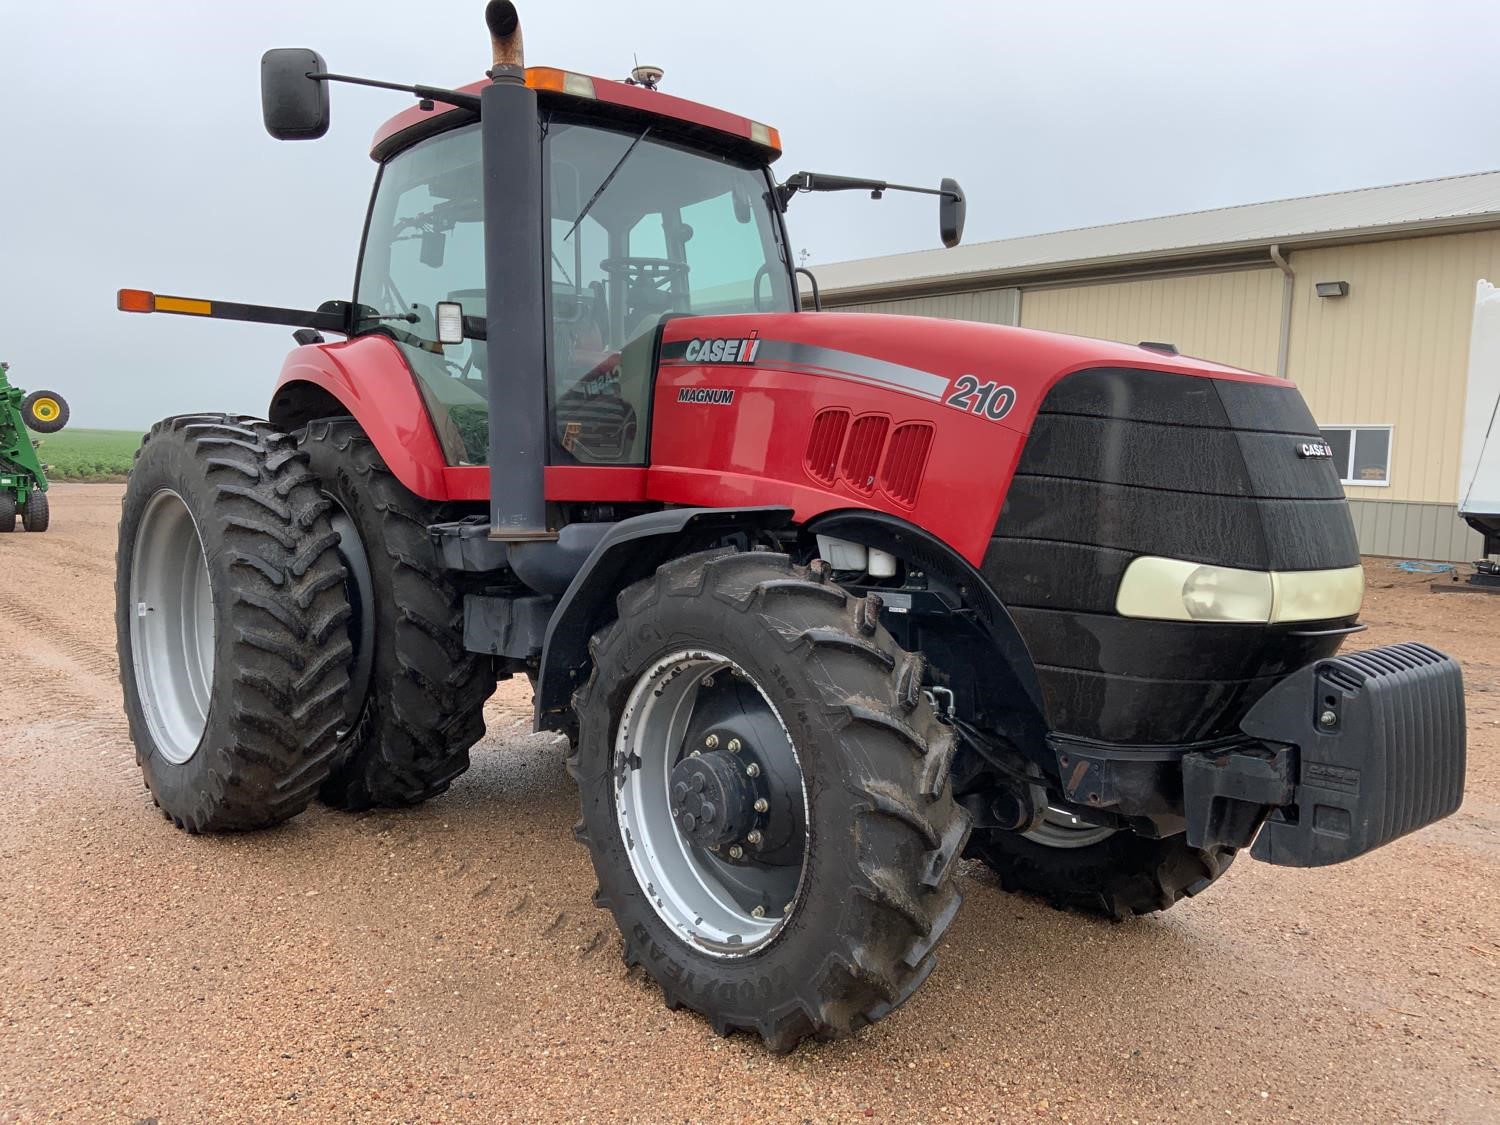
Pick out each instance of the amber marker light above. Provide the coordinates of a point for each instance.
(136, 301)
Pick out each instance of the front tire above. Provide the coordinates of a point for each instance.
(1113, 874)
(418, 703)
(7, 512)
(38, 512)
(231, 623)
(828, 916)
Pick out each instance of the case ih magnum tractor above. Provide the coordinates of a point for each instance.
(823, 602)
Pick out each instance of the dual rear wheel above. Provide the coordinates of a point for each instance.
(264, 659)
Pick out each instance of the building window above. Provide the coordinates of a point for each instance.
(1362, 454)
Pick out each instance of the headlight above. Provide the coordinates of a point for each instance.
(1179, 590)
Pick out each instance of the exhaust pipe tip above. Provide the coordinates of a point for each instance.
(504, 22)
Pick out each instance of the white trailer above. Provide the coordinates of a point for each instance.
(1479, 479)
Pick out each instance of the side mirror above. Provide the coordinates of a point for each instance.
(951, 211)
(434, 246)
(294, 106)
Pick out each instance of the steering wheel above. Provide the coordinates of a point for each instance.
(656, 272)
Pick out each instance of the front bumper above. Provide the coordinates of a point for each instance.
(1336, 759)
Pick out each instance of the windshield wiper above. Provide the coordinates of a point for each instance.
(606, 182)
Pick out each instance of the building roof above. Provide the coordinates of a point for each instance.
(1221, 233)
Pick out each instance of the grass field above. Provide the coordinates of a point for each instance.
(89, 455)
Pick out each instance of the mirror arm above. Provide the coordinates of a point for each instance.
(432, 93)
(817, 181)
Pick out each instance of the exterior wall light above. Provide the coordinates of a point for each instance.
(1332, 288)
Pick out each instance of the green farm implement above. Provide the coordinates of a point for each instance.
(23, 481)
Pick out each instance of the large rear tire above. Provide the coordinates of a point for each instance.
(38, 512)
(1114, 874)
(231, 621)
(418, 700)
(766, 798)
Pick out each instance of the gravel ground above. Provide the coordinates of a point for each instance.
(446, 963)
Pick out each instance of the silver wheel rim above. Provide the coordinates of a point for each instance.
(172, 626)
(361, 591)
(1059, 828)
(701, 895)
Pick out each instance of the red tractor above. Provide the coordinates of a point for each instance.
(822, 601)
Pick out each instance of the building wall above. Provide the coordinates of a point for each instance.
(1395, 351)
(1232, 317)
(991, 306)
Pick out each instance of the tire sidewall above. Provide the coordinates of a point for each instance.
(187, 790)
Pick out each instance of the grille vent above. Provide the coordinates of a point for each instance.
(828, 428)
(862, 452)
(901, 472)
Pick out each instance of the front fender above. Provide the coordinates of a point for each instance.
(366, 377)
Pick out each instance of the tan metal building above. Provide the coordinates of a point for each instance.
(1362, 298)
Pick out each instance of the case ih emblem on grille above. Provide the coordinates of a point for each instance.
(712, 396)
(1315, 449)
(722, 351)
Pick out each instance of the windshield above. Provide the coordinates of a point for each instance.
(638, 228)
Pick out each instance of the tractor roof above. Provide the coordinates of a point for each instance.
(622, 101)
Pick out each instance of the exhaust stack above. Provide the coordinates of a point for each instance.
(515, 270)
(505, 34)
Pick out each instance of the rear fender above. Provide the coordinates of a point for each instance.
(366, 378)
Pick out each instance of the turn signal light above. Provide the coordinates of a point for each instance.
(560, 81)
(136, 301)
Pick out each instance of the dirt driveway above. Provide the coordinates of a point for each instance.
(447, 964)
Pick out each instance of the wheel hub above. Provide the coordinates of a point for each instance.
(713, 801)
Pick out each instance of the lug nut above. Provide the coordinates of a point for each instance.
(753, 769)
(753, 837)
(758, 912)
(735, 851)
(712, 742)
(734, 746)
(708, 681)
(1328, 718)
(761, 804)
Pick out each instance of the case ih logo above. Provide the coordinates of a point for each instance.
(1315, 449)
(712, 396)
(722, 351)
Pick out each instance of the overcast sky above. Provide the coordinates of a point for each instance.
(134, 155)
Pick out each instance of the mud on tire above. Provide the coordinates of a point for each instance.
(421, 707)
(877, 888)
(1117, 877)
(271, 705)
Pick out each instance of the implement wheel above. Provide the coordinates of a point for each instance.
(416, 704)
(231, 621)
(38, 513)
(766, 798)
(46, 412)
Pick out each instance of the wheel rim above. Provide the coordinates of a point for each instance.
(360, 588)
(46, 409)
(1059, 828)
(681, 723)
(172, 626)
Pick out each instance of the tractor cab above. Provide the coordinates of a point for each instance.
(643, 222)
